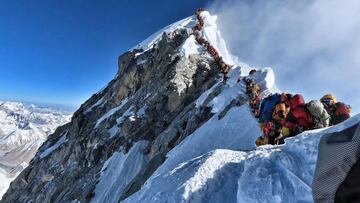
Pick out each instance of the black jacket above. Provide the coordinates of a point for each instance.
(337, 173)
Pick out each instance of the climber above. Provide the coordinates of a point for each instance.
(225, 68)
(297, 121)
(338, 111)
(320, 117)
(249, 83)
(280, 113)
(261, 141)
(252, 71)
(292, 101)
(197, 27)
(271, 130)
(255, 105)
(196, 34)
(212, 51)
(267, 106)
(199, 10)
(252, 89)
(198, 38)
(200, 21)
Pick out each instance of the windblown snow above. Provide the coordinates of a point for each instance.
(267, 174)
(23, 128)
(218, 162)
(211, 34)
(154, 38)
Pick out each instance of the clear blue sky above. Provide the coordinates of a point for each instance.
(61, 52)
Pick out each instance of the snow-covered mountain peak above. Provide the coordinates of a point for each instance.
(168, 129)
(210, 32)
(23, 128)
(19, 121)
(152, 40)
(167, 89)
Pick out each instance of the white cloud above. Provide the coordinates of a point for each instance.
(313, 45)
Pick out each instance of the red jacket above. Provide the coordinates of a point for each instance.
(298, 116)
(339, 113)
(212, 51)
(198, 27)
(295, 101)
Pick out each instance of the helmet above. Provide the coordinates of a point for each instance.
(328, 99)
(285, 97)
(200, 10)
(250, 80)
(252, 71)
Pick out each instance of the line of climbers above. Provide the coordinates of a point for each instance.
(224, 67)
(286, 115)
(280, 115)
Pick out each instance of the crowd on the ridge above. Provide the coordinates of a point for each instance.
(286, 115)
(280, 115)
(223, 66)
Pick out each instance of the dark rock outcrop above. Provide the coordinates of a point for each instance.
(151, 98)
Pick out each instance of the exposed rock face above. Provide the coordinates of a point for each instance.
(151, 98)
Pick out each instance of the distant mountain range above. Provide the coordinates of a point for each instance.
(23, 128)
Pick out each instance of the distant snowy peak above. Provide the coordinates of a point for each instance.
(26, 124)
(23, 129)
(19, 113)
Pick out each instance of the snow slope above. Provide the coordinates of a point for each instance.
(211, 34)
(154, 38)
(237, 130)
(118, 171)
(23, 128)
(212, 164)
(219, 161)
(267, 174)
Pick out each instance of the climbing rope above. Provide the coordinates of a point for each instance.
(224, 67)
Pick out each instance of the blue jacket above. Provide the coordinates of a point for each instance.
(267, 106)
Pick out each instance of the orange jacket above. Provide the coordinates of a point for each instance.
(280, 113)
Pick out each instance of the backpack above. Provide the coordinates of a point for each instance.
(299, 116)
(296, 101)
(342, 112)
(267, 106)
(342, 108)
(319, 114)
